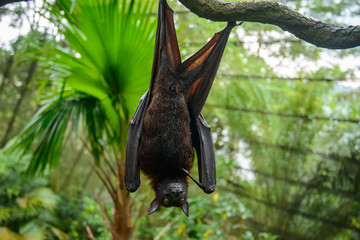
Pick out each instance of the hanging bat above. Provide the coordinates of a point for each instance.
(167, 124)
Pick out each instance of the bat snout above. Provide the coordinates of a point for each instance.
(176, 191)
(177, 194)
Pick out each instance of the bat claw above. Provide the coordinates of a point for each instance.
(231, 25)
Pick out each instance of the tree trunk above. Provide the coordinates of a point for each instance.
(9, 63)
(121, 228)
(122, 218)
(19, 102)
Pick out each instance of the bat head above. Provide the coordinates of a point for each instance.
(170, 193)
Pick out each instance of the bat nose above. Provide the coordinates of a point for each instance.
(176, 195)
(177, 191)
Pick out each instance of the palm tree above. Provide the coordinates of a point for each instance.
(94, 88)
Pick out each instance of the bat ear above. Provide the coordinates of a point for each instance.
(185, 208)
(154, 206)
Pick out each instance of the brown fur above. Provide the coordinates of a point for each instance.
(165, 145)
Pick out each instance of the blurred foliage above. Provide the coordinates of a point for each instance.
(17, 70)
(29, 208)
(26, 205)
(81, 217)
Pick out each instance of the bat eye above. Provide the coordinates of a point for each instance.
(182, 201)
(166, 201)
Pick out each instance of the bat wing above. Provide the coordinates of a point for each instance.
(203, 144)
(202, 68)
(166, 45)
(132, 168)
(166, 53)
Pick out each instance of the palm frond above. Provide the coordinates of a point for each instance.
(113, 41)
(97, 83)
(45, 134)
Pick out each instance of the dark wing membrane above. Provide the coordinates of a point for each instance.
(132, 167)
(172, 47)
(202, 67)
(166, 52)
(202, 141)
(166, 46)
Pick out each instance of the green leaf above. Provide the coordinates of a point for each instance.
(40, 197)
(7, 234)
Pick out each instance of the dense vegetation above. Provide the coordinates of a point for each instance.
(284, 115)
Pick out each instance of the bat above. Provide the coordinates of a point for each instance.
(167, 125)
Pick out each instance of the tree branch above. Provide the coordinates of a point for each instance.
(4, 2)
(320, 34)
(314, 32)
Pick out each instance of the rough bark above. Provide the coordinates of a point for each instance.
(315, 32)
(122, 226)
(122, 218)
(4, 2)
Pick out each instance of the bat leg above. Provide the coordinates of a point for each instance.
(192, 178)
